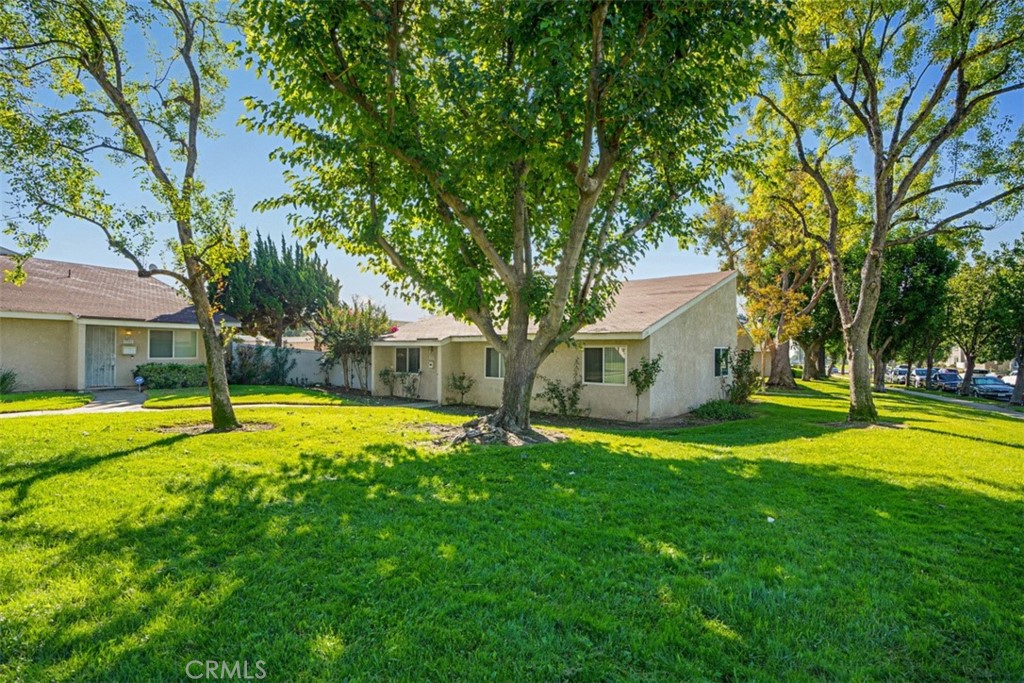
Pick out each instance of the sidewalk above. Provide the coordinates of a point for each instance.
(987, 407)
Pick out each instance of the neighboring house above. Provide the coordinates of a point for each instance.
(690, 320)
(75, 326)
(957, 359)
(759, 360)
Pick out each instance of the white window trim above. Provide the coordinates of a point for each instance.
(172, 357)
(714, 353)
(583, 366)
(419, 352)
(501, 364)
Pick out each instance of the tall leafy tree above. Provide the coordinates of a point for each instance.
(503, 161)
(918, 88)
(974, 313)
(1009, 264)
(345, 333)
(89, 83)
(271, 291)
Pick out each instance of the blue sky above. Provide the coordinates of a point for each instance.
(238, 160)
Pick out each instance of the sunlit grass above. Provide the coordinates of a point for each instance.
(342, 544)
(241, 394)
(42, 400)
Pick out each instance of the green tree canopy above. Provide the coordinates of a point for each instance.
(271, 291)
(504, 162)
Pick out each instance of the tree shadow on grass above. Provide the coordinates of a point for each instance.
(581, 561)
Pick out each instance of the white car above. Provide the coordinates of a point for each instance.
(1011, 379)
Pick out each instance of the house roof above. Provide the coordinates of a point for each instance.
(84, 291)
(638, 308)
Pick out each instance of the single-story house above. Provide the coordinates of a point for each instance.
(690, 320)
(73, 326)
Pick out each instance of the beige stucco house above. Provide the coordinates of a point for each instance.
(690, 320)
(72, 326)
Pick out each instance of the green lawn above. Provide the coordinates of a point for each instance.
(335, 546)
(971, 399)
(42, 400)
(241, 394)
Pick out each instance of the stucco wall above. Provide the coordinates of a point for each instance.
(40, 351)
(427, 386)
(126, 364)
(687, 345)
(616, 402)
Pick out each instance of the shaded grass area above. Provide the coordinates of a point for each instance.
(957, 396)
(333, 546)
(242, 394)
(42, 400)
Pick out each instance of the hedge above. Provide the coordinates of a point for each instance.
(171, 375)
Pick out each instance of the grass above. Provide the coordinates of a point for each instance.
(42, 400)
(336, 546)
(241, 394)
(956, 395)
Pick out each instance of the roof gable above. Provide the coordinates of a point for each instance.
(85, 291)
(638, 308)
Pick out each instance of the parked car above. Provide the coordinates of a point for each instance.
(1010, 379)
(919, 377)
(988, 386)
(896, 375)
(946, 380)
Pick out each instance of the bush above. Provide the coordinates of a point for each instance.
(746, 380)
(564, 399)
(260, 365)
(461, 384)
(8, 380)
(388, 378)
(171, 375)
(720, 410)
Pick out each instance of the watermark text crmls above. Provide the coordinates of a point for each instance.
(217, 670)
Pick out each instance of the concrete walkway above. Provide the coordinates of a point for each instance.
(987, 407)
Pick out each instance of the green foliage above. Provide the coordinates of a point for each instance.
(410, 383)
(563, 397)
(461, 384)
(746, 379)
(270, 291)
(721, 410)
(8, 380)
(1008, 262)
(252, 364)
(643, 376)
(388, 378)
(974, 310)
(25, 401)
(346, 332)
(171, 375)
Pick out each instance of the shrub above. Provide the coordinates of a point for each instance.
(410, 383)
(642, 377)
(720, 410)
(8, 380)
(260, 365)
(388, 378)
(746, 380)
(564, 399)
(461, 384)
(171, 375)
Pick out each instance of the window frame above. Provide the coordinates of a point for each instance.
(501, 363)
(604, 383)
(726, 364)
(419, 360)
(174, 355)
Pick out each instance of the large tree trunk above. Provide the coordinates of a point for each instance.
(517, 389)
(910, 368)
(811, 370)
(222, 412)
(930, 364)
(1018, 386)
(878, 365)
(781, 376)
(862, 406)
(965, 385)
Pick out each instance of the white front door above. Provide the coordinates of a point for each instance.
(99, 356)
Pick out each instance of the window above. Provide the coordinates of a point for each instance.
(604, 365)
(494, 365)
(407, 359)
(173, 344)
(722, 362)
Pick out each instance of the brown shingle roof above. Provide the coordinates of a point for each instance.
(639, 305)
(86, 291)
